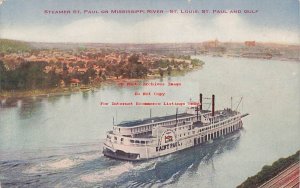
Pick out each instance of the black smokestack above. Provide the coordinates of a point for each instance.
(213, 105)
(200, 101)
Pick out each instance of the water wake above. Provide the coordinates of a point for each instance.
(64, 163)
(108, 174)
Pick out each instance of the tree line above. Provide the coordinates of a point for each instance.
(28, 75)
(31, 75)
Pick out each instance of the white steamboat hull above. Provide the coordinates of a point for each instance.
(168, 142)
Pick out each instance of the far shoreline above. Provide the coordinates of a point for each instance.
(7, 95)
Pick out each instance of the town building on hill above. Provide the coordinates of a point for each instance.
(211, 44)
(74, 82)
(250, 43)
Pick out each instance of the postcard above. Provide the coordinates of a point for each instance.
(129, 93)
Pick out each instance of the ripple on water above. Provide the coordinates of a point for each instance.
(62, 164)
(107, 174)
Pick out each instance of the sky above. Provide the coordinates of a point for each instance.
(275, 21)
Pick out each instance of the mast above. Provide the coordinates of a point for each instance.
(197, 110)
(176, 115)
(213, 106)
(239, 104)
(116, 115)
(176, 127)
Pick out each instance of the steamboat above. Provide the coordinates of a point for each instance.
(158, 136)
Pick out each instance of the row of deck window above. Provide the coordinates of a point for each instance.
(149, 127)
(204, 129)
(184, 127)
(131, 141)
(139, 129)
(216, 134)
(139, 142)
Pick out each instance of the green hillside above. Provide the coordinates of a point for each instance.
(13, 46)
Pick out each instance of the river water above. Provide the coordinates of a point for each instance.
(57, 141)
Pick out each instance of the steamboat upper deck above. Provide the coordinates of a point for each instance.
(156, 119)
